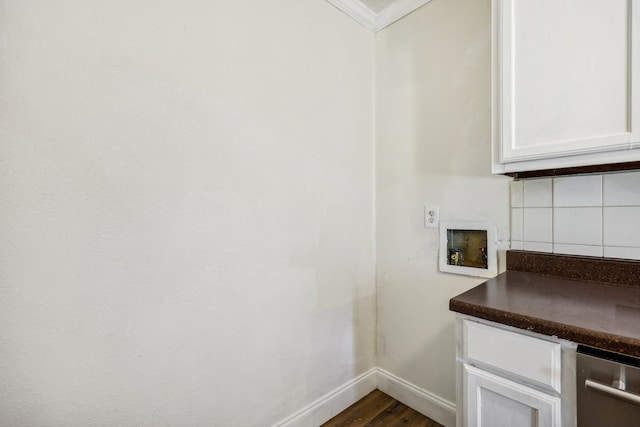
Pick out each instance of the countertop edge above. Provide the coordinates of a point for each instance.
(581, 336)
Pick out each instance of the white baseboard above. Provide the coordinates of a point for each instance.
(434, 407)
(339, 399)
(332, 403)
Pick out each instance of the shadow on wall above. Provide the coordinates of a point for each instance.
(354, 345)
(444, 338)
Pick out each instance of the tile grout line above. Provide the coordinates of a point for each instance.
(522, 213)
(553, 215)
(602, 216)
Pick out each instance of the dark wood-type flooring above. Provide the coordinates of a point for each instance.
(379, 410)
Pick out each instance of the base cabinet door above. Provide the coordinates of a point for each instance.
(493, 401)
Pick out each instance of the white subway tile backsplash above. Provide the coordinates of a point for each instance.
(588, 215)
(577, 226)
(538, 247)
(618, 252)
(583, 250)
(577, 191)
(621, 226)
(537, 193)
(516, 193)
(622, 189)
(517, 228)
(537, 226)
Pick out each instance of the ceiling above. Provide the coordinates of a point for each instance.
(377, 14)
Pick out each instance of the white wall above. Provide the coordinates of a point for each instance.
(433, 147)
(186, 231)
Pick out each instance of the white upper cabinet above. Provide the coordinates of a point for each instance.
(566, 83)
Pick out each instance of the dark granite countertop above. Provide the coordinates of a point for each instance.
(596, 314)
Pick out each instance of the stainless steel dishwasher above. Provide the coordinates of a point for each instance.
(608, 389)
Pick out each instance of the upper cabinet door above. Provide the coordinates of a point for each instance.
(565, 83)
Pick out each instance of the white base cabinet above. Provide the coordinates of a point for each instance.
(498, 402)
(509, 377)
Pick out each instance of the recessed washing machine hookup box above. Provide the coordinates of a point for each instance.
(468, 248)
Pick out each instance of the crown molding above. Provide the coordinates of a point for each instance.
(396, 11)
(377, 21)
(358, 11)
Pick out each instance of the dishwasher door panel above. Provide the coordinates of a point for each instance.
(598, 380)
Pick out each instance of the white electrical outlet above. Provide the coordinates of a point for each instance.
(431, 216)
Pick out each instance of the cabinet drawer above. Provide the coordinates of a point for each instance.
(528, 357)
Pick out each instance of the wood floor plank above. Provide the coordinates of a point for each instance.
(363, 411)
(380, 410)
(399, 415)
(389, 416)
(410, 417)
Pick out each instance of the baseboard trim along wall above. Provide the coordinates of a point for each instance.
(439, 410)
(332, 403)
(337, 400)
